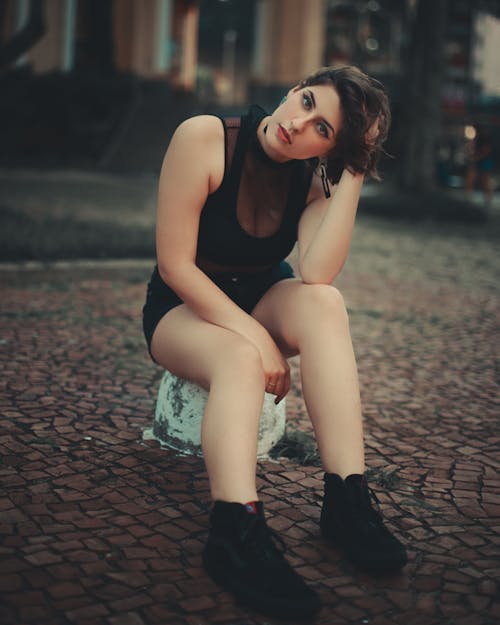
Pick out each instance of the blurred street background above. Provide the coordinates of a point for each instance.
(93, 89)
(99, 526)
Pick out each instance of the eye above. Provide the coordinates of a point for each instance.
(307, 101)
(323, 129)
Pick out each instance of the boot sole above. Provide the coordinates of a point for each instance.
(375, 568)
(259, 601)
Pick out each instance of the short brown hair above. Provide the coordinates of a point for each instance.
(363, 100)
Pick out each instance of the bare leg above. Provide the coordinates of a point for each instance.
(487, 187)
(312, 320)
(230, 367)
(239, 554)
(470, 179)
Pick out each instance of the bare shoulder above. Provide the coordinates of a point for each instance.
(199, 141)
(202, 129)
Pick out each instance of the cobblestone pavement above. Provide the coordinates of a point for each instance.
(99, 527)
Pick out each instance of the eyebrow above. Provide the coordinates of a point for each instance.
(311, 95)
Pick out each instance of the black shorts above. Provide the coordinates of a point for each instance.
(245, 289)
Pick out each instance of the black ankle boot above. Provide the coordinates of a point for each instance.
(242, 555)
(349, 521)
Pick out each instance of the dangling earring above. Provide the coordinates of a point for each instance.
(324, 178)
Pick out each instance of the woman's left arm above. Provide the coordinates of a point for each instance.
(325, 230)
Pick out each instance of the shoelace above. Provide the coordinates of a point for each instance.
(367, 516)
(373, 495)
(263, 540)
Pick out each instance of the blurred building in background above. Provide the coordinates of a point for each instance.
(222, 48)
(215, 46)
(486, 57)
(229, 52)
(151, 38)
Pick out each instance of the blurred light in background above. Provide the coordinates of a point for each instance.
(470, 133)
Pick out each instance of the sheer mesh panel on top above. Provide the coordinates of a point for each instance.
(263, 193)
(252, 218)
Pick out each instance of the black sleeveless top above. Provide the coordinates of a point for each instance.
(252, 178)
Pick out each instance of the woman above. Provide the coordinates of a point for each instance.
(225, 311)
(482, 164)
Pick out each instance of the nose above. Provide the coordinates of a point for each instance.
(300, 123)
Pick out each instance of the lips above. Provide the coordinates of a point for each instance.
(283, 134)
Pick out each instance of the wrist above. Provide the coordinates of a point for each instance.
(254, 331)
(352, 176)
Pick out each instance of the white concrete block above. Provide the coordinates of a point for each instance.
(179, 412)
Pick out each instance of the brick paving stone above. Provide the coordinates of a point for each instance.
(350, 612)
(96, 568)
(198, 620)
(160, 613)
(488, 587)
(33, 614)
(479, 603)
(42, 558)
(473, 620)
(73, 603)
(86, 612)
(65, 589)
(134, 579)
(9, 582)
(98, 527)
(131, 603)
(129, 618)
(197, 604)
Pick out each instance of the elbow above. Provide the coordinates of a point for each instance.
(170, 272)
(165, 272)
(317, 275)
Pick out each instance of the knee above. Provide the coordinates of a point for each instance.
(324, 302)
(240, 357)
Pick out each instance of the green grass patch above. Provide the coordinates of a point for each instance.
(419, 502)
(301, 448)
(298, 446)
(388, 480)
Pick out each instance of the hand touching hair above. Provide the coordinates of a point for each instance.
(366, 120)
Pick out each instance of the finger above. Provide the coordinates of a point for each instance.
(271, 385)
(285, 383)
(280, 398)
(283, 389)
(287, 373)
(288, 385)
(280, 386)
(282, 395)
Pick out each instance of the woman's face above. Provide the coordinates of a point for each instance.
(304, 125)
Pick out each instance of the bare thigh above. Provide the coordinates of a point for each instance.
(192, 348)
(271, 312)
(290, 306)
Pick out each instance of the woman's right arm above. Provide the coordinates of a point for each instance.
(192, 168)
